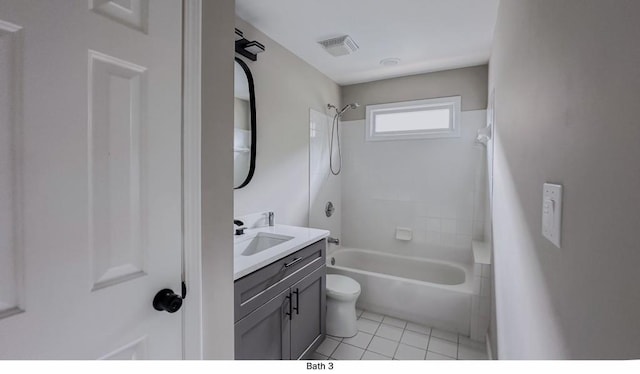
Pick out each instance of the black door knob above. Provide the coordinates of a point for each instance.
(167, 300)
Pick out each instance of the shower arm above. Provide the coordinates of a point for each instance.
(344, 108)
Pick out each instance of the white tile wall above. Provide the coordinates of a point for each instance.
(434, 187)
(323, 185)
(481, 302)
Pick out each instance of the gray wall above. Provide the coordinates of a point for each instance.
(285, 88)
(567, 81)
(217, 178)
(470, 83)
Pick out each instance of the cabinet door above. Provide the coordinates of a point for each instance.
(265, 333)
(309, 301)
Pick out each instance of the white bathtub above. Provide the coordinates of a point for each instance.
(424, 291)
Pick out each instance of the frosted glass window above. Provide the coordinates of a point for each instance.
(429, 119)
(432, 118)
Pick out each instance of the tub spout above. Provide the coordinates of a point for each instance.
(335, 241)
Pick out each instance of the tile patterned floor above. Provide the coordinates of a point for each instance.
(382, 337)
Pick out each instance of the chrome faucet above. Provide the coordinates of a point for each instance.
(335, 241)
(271, 219)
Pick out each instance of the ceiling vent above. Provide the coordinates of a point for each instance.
(339, 46)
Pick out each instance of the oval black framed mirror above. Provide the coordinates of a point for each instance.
(244, 125)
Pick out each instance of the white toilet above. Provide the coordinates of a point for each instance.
(342, 293)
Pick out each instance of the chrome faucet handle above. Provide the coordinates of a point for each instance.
(271, 218)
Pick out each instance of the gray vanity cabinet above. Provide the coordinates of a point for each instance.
(264, 335)
(280, 309)
(308, 322)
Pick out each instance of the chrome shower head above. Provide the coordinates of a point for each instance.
(347, 107)
(335, 128)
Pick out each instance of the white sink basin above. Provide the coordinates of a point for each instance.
(260, 242)
(261, 246)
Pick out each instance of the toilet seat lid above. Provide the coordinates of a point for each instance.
(342, 284)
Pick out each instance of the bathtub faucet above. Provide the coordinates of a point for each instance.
(335, 241)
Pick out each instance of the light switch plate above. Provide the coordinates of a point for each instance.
(552, 212)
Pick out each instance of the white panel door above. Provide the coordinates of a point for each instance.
(90, 178)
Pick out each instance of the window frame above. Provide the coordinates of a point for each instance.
(453, 103)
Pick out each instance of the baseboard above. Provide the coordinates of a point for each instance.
(306, 355)
(487, 342)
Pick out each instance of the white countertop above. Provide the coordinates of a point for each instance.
(302, 237)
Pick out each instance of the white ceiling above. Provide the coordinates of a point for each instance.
(427, 35)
